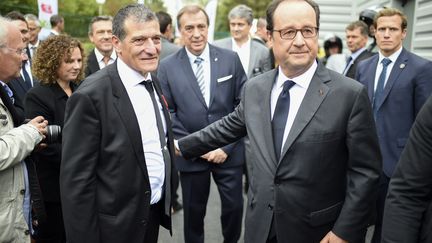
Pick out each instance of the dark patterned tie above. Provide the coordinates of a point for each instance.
(380, 86)
(26, 76)
(280, 116)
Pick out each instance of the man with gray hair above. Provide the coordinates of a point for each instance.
(255, 58)
(15, 144)
(34, 28)
(100, 34)
(115, 175)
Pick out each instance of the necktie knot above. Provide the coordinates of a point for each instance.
(148, 84)
(385, 62)
(288, 85)
(198, 60)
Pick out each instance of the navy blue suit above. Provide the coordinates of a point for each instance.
(190, 113)
(408, 87)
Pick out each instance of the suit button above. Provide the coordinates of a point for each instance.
(270, 207)
(22, 192)
(27, 232)
(144, 222)
(277, 181)
(147, 193)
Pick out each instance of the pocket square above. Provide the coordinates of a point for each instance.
(223, 79)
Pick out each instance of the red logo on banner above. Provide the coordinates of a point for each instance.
(46, 8)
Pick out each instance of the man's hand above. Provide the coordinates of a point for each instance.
(332, 238)
(40, 124)
(217, 156)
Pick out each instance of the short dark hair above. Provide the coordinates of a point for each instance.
(191, 9)
(164, 20)
(358, 24)
(15, 15)
(55, 20)
(388, 12)
(273, 6)
(97, 19)
(138, 12)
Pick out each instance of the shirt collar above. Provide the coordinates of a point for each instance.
(30, 45)
(393, 57)
(204, 55)
(357, 53)
(302, 80)
(100, 57)
(235, 46)
(129, 76)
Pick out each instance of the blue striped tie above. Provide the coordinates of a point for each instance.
(199, 74)
(380, 86)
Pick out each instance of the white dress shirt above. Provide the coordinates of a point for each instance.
(297, 93)
(205, 55)
(144, 111)
(100, 58)
(393, 57)
(33, 48)
(243, 52)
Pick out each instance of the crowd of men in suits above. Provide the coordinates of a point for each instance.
(327, 154)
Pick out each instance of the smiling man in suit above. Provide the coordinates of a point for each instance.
(399, 83)
(254, 57)
(313, 170)
(115, 175)
(202, 83)
(100, 34)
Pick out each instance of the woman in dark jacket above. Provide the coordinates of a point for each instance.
(58, 65)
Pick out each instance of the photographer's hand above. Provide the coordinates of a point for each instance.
(41, 125)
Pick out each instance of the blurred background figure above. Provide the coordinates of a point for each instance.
(255, 58)
(334, 59)
(261, 32)
(100, 34)
(34, 28)
(368, 16)
(58, 64)
(57, 25)
(167, 31)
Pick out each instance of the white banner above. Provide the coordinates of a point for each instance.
(211, 9)
(46, 9)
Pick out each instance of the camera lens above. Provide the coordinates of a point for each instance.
(53, 134)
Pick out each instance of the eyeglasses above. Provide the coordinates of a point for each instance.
(290, 33)
(18, 51)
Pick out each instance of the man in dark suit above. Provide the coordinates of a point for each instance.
(115, 175)
(100, 34)
(202, 83)
(356, 39)
(166, 28)
(408, 207)
(313, 170)
(255, 58)
(398, 84)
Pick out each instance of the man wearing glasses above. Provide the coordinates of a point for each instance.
(313, 170)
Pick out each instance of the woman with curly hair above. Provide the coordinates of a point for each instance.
(58, 65)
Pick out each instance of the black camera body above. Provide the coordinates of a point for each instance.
(53, 135)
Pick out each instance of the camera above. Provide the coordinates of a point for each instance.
(53, 134)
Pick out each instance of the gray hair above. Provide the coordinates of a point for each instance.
(32, 17)
(138, 12)
(241, 11)
(4, 22)
(97, 19)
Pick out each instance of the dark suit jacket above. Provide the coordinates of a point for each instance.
(408, 208)
(189, 111)
(406, 90)
(353, 68)
(104, 184)
(48, 101)
(92, 64)
(20, 88)
(168, 48)
(329, 169)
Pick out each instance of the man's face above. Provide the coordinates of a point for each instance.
(141, 47)
(23, 28)
(11, 56)
(194, 31)
(297, 55)
(389, 34)
(239, 29)
(101, 36)
(34, 30)
(355, 40)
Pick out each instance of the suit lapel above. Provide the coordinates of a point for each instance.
(402, 60)
(315, 94)
(370, 77)
(214, 70)
(190, 76)
(252, 59)
(126, 112)
(93, 62)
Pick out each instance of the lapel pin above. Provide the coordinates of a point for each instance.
(216, 59)
(402, 65)
(321, 92)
